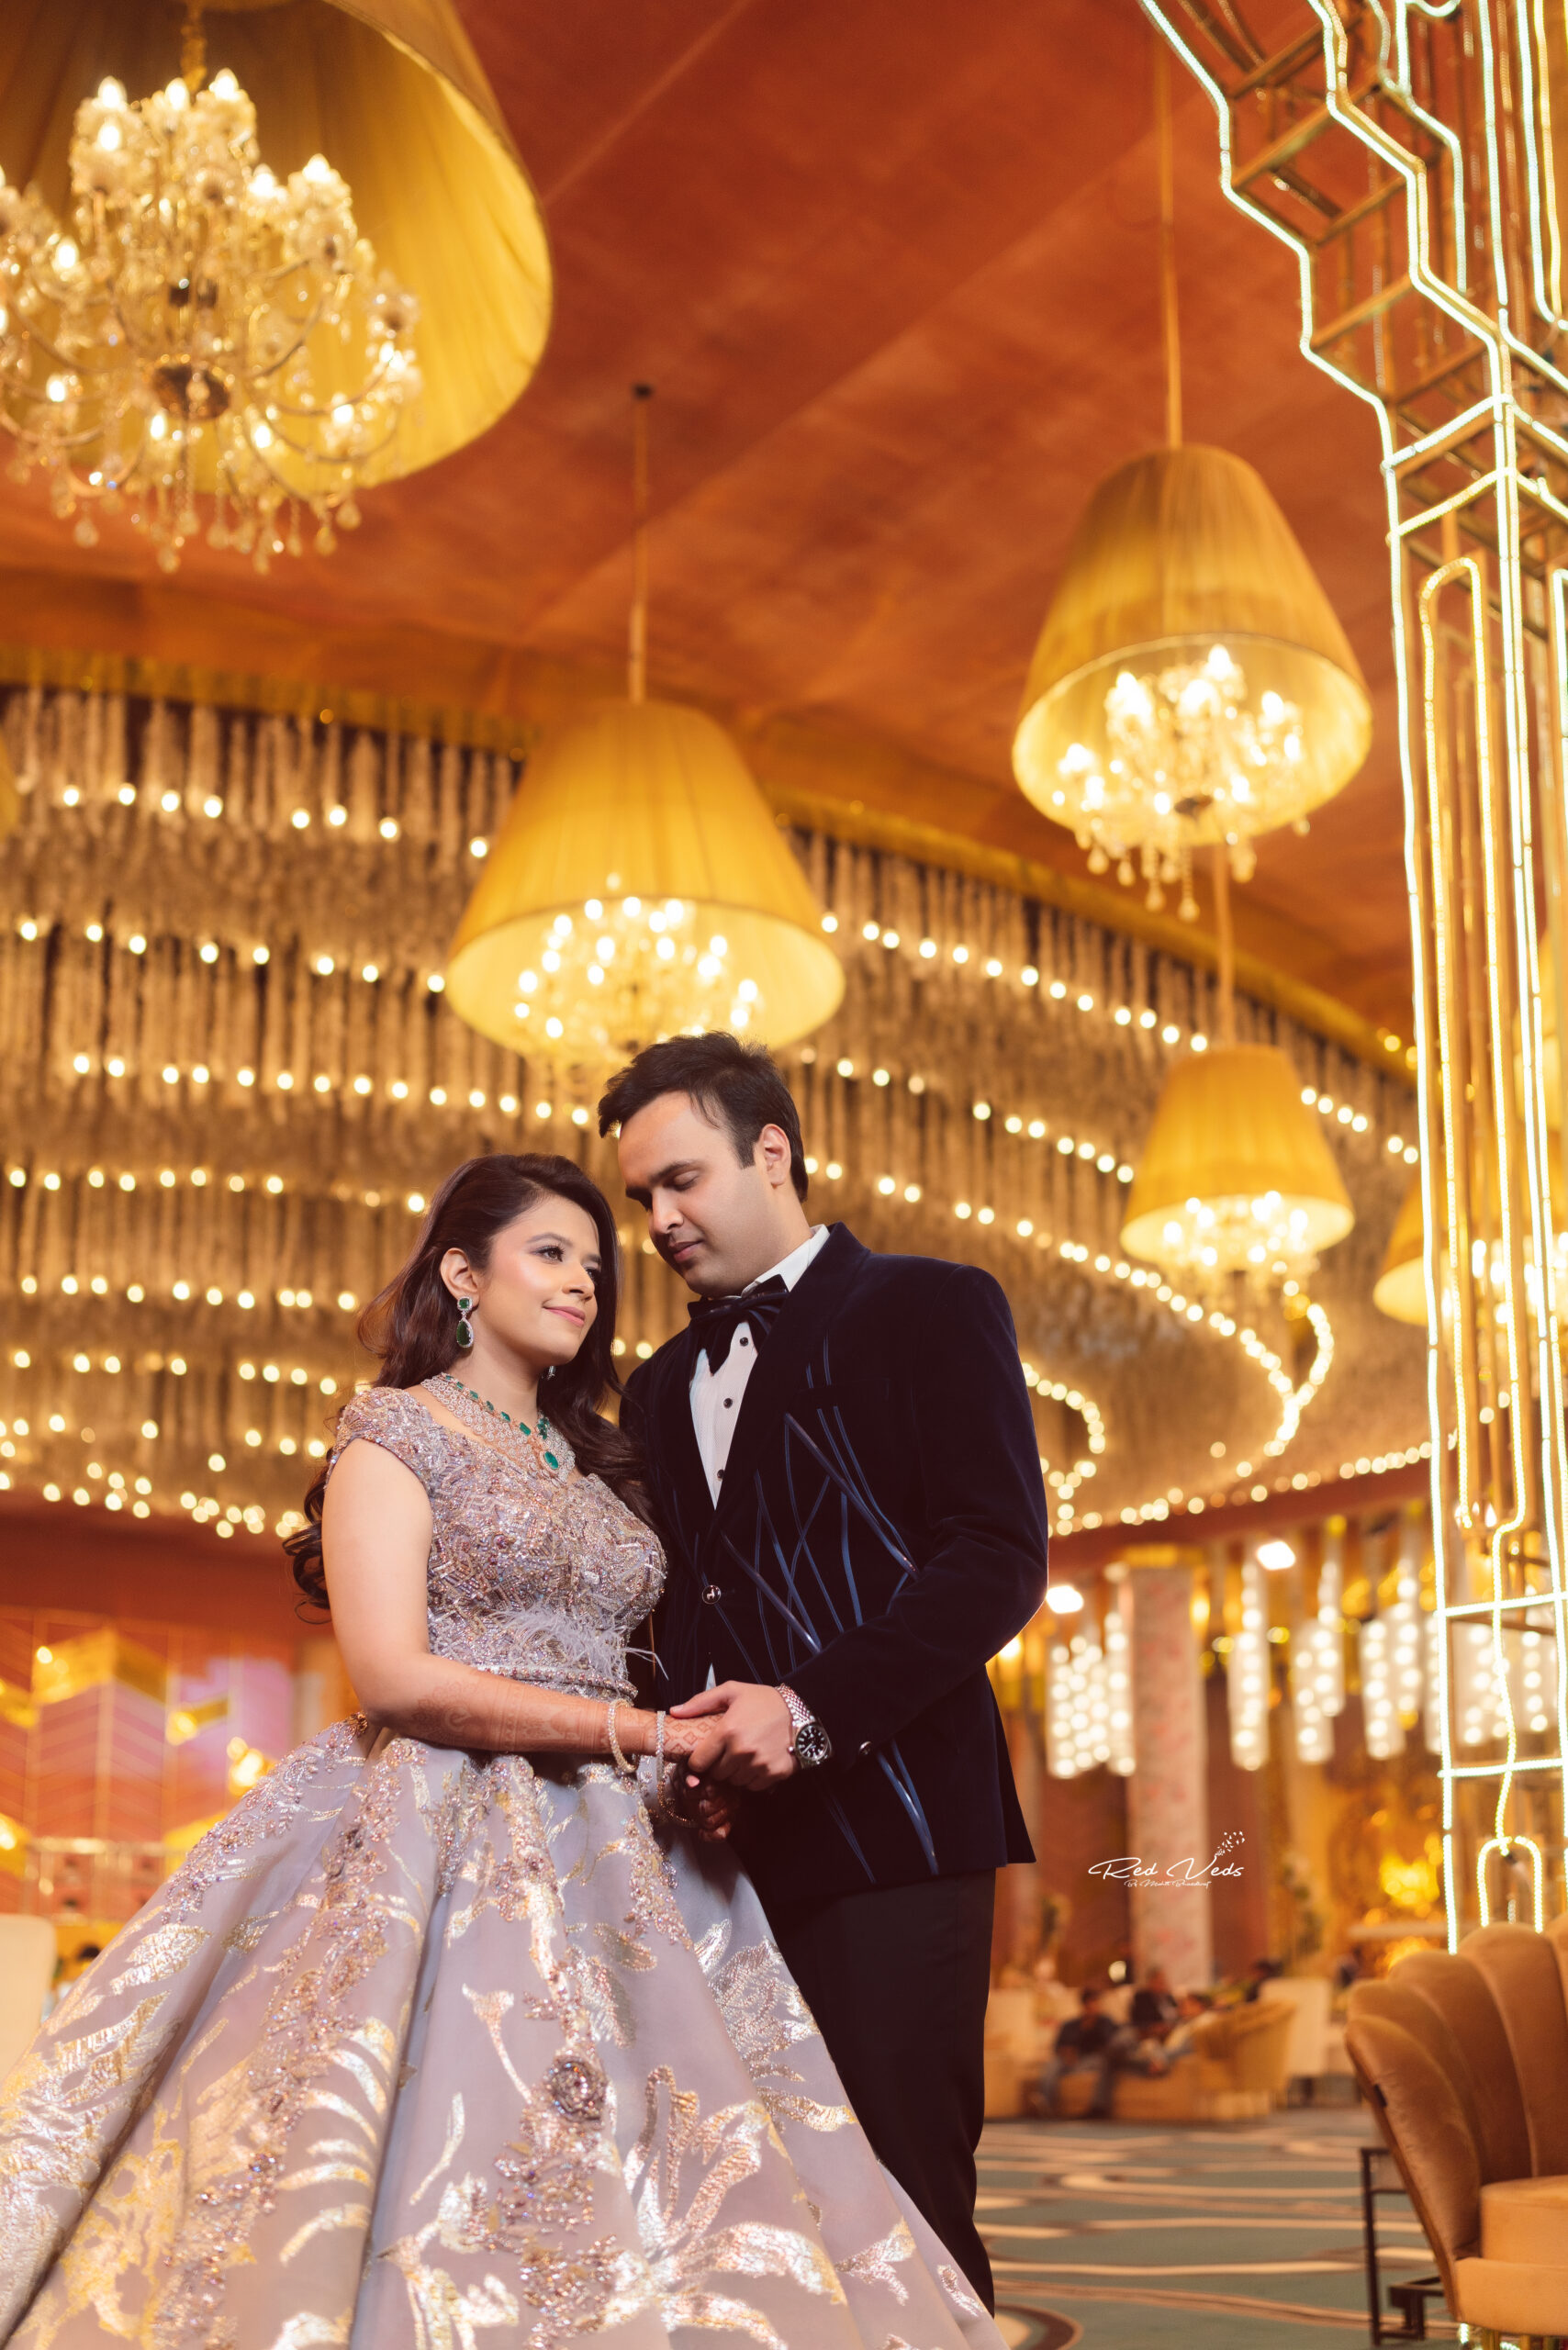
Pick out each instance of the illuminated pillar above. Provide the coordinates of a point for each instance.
(1407, 156)
(1167, 1808)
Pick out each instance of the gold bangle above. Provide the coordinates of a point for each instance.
(621, 1761)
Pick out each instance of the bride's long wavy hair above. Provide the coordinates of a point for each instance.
(412, 1326)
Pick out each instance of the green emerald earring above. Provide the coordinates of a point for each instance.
(464, 1327)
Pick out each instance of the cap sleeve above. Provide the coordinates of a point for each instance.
(386, 1416)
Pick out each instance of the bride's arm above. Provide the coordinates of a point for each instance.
(375, 1539)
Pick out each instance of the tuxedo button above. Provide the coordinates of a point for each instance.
(710, 1592)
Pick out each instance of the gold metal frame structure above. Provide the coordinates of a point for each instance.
(1407, 152)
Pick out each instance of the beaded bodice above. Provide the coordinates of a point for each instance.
(535, 1573)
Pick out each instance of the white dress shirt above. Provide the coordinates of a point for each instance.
(716, 1395)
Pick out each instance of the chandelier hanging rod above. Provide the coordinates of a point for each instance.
(637, 634)
(1170, 318)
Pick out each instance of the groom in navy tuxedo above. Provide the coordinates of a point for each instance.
(844, 1462)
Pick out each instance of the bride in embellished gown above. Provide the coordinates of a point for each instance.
(450, 2036)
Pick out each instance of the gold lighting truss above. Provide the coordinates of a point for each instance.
(1407, 152)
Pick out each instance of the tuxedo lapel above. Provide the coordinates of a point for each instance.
(805, 1320)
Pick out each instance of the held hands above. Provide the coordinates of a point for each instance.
(742, 1736)
(712, 1810)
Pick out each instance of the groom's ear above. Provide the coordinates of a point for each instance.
(773, 1144)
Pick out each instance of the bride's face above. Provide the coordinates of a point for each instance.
(536, 1294)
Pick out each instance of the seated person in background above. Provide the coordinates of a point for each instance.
(1261, 1971)
(1181, 2039)
(1152, 2048)
(1083, 2044)
(1154, 2003)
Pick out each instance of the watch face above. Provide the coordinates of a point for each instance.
(812, 1746)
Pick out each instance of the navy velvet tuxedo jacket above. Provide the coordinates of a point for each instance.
(880, 1532)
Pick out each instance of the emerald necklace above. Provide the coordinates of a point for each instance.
(540, 1433)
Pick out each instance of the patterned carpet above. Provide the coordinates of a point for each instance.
(1123, 2237)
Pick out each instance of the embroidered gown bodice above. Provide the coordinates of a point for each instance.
(538, 1575)
(431, 2050)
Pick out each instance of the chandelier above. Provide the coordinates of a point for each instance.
(202, 325)
(1191, 685)
(641, 887)
(1182, 741)
(641, 890)
(1236, 1176)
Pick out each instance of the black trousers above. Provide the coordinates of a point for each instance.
(897, 1978)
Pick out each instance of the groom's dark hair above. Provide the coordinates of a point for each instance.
(738, 1086)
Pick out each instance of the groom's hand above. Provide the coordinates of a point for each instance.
(749, 1739)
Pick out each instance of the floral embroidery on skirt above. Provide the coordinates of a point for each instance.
(422, 2046)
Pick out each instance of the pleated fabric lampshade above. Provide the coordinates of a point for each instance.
(1400, 1290)
(640, 888)
(1191, 683)
(391, 92)
(1236, 1175)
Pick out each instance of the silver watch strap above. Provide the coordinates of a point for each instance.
(800, 1712)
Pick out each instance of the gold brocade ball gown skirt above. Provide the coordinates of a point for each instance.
(452, 2053)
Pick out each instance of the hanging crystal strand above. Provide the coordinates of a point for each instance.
(186, 1042)
(260, 777)
(419, 804)
(291, 796)
(29, 1226)
(382, 1059)
(452, 1056)
(493, 1074)
(215, 984)
(271, 793)
(327, 749)
(89, 776)
(272, 1047)
(113, 769)
(293, 977)
(72, 750)
(153, 763)
(66, 1021)
(51, 1257)
(26, 749)
(236, 792)
(202, 739)
(358, 1051)
(503, 782)
(418, 1072)
(12, 1030)
(324, 1260)
(364, 788)
(152, 1022)
(59, 771)
(247, 999)
(332, 1051)
(449, 840)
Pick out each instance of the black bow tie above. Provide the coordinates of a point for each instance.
(715, 1320)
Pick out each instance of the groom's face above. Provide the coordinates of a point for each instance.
(710, 1216)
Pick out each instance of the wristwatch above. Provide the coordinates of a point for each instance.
(811, 1746)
